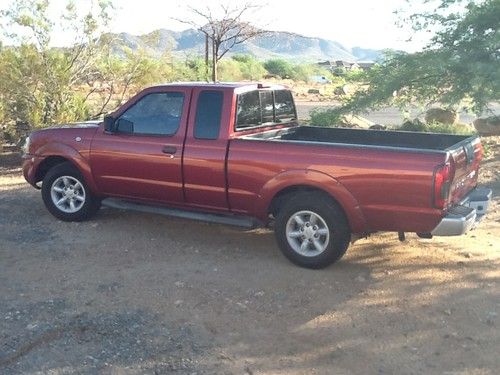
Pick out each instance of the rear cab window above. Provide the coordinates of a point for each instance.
(264, 108)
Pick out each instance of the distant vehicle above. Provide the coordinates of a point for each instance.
(235, 154)
(320, 79)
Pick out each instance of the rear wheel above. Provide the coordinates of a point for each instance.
(312, 230)
(66, 195)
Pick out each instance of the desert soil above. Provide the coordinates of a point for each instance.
(131, 293)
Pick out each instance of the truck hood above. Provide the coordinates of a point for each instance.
(78, 136)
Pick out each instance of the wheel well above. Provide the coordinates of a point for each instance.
(280, 197)
(47, 165)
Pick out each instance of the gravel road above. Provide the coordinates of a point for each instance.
(131, 293)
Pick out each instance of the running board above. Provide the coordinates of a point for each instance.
(229, 219)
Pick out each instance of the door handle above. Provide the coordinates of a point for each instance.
(169, 150)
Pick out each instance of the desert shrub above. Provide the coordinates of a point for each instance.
(192, 69)
(355, 75)
(229, 70)
(435, 127)
(302, 72)
(324, 118)
(279, 67)
(250, 68)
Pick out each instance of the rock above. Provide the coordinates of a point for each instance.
(488, 125)
(313, 91)
(179, 284)
(414, 125)
(178, 302)
(443, 116)
(378, 127)
(360, 279)
(354, 121)
(339, 91)
(241, 306)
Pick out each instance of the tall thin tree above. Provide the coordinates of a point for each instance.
(224, 31)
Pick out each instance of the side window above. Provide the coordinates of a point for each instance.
(208, 115)
(248, 110)
(283, 103)
(155, 114)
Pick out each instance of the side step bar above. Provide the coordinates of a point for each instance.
(229, 219)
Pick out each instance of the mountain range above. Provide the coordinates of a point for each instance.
(273, 44)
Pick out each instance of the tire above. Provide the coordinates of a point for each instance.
(65, 184)
(312, 230)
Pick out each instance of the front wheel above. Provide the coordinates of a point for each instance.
(312, 230)
(66, 195)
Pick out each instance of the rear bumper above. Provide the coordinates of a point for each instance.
(465, 216)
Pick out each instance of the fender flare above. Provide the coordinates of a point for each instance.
(317, 180)
(64, 151)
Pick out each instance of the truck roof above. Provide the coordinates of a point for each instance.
(225, 85)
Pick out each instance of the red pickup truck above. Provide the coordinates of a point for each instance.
(235, 154)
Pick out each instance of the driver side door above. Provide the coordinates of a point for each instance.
(142, 157)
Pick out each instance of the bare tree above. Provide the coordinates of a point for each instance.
(224, 31)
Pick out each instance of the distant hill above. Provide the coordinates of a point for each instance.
(271, 45)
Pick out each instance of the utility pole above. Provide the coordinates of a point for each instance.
(206, 57)
(214, 61)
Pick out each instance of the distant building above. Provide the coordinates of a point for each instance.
(366, 65)
(335, 65)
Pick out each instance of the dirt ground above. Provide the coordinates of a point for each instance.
(131, 293)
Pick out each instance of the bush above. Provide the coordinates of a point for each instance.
(279, 67)
(250, 68)
(325, 117)
(229, 70)
(331, 117)
(435, 127)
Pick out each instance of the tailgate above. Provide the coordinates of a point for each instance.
(465, 158)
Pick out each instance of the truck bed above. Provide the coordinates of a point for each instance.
(361, 137)
(387, 171)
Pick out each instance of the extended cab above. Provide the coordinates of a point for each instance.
(235, 154)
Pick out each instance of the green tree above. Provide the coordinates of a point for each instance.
(460, 65)
(279, 67)
(41, 85)
(223, 31)
(36, 80)
(229, 70)
(250, 68)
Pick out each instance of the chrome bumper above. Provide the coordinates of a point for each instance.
(466, 215)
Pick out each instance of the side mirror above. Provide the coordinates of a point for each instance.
(109, 122)
(124, 126)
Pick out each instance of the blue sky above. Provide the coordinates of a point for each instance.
(364, 23)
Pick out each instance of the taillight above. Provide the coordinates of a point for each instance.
(443, 176)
